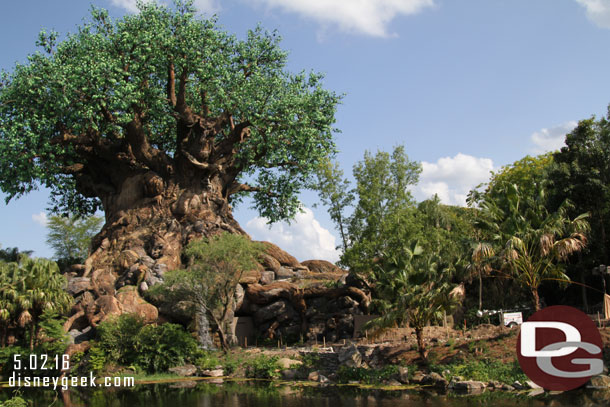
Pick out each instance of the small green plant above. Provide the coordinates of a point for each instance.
(97, 359)
(207, 360)
(263, 367)
(368, 376)
(311, 360)
(484, 370)
(15, 401)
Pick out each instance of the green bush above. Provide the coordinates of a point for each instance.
(164, 346)
(117, 338)
(263, 367)
(152, 348)
(484, 370)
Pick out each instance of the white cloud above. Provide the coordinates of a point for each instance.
(451, 178)
(553, 138)
(304, 238)
(40, 218)
(597, 11)
(129, 5)
(203, 6)
(369, 17)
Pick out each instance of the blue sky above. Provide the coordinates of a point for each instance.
(467, 86)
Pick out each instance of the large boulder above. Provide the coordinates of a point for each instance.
(271, 311)
(185, 370)
(132, 303)
(350, 356)
(321, 266)
(281, 256)
(77, 285)
(269, 262)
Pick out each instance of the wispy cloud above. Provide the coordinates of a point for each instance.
(304, 238)
(553, 138)
(451, 178)
(368, 17)
(597, 11)
(40, 218)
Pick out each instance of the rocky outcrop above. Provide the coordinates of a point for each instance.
(312, 301)
(322, 266)
(281, 256)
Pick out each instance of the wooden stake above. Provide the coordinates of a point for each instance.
(245, 341)
(324, 339)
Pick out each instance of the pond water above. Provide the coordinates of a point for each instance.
(263, 394)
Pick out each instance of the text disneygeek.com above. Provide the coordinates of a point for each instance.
(58, 363)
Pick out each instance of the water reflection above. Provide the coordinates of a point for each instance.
(264, 394)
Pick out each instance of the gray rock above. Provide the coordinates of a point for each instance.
(147, 261)
(159, 269)
(517, 385)
(393, 383)
(530, 384)
(598, 382)
(283, 273)
(417, 378)
(469, 386)
(270, 311)
(323, 379)
(143, 286)
(436, 380)
(77, 285)
(268, 277)
(185, 370)
(313, 376)
(77, 336)
(494, 384)
(350, 356)
(536, 392)
(212, 373)
(403, 375)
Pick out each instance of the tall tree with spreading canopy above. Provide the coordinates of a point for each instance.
(161, 119)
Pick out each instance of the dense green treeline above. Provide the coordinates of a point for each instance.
(535, 233)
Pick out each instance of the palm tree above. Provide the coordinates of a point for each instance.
(414, 287)
(28, 288)
(482, 254)
(532, 242)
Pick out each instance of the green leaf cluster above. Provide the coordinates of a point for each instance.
(151, 348)
(30, 288)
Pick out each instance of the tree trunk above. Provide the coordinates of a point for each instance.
(4, 335)
(421, 344)
(33, 331)
(480, 289)
(535, 299)
(156, 217)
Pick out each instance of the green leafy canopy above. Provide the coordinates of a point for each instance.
(65, 114)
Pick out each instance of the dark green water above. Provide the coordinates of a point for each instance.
(261, 394)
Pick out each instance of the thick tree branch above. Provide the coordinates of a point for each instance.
(142, 150)
(238, 187)
(171, 84)
(200, 165)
